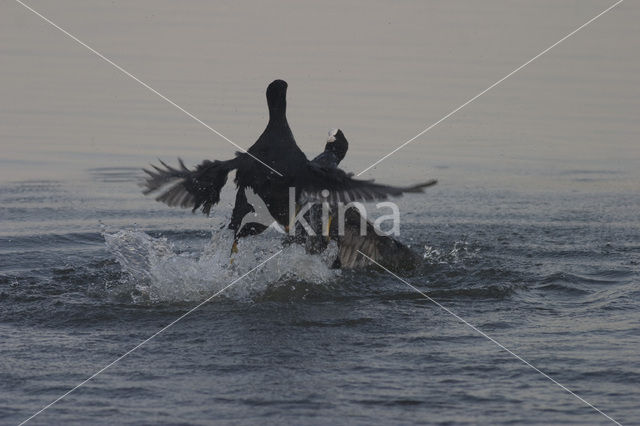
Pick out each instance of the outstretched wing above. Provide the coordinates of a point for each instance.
(339, 186)
(189, 188)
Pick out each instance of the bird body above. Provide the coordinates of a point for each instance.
(270, 167)
(383, 249)
(334, 150)
(277, 148)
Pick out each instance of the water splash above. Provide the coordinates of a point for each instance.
(156, 272)
(460, 252)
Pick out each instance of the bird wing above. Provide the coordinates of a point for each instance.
(189, 188)
(342, 187)
(326, 159)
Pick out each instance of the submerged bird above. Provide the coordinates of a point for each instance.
(383, 249)
(313, 181)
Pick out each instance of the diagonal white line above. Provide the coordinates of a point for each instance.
(148, 339)
(491, 87)
(127, 73)
(482, 333)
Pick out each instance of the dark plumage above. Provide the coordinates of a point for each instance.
(194, 188)
(276, 147)
(383, 249)
(334, 150)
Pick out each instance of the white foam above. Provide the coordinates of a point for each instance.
(459, 252)
(157, 272)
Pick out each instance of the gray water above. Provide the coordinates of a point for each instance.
(531, 235)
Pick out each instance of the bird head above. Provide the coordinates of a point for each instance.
(337, 143)
(277, 96)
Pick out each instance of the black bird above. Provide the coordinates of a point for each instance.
(383, 249)
(334, 150)
(288, 167)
